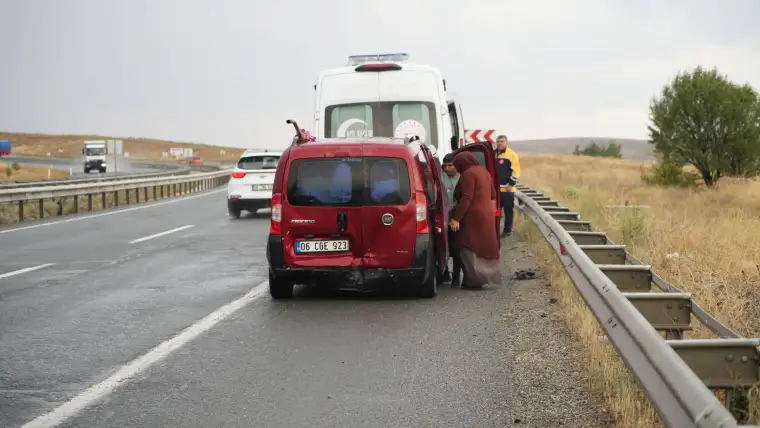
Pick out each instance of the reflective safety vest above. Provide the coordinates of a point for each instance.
(509, 169)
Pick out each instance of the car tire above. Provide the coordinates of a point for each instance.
(86, 171)
(103, 170)
(234, 212)
(280, 288)
(429, 288)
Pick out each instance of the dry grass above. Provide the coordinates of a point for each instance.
(9, 213)
(703, 241)
(138, 148)
(25, 173)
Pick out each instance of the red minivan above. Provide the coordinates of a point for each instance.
(357, 213)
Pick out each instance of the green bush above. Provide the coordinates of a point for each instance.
(8, 171)
(611, 150)
(667, 173)
(16, 166)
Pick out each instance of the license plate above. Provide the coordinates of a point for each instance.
(321, 246)
(259, 187)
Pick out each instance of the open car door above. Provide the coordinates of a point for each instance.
(438, 210)
(487, 157)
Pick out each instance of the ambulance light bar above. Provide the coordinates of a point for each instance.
(363, 59)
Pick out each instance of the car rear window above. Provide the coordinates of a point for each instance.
(363, 181)
(258, 162)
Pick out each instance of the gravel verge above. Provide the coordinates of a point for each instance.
(548, 382)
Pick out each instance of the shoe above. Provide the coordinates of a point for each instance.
(456, 281)
(446, 277)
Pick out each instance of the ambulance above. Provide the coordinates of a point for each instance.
(382, 95)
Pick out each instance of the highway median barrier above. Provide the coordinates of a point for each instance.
(40, 201)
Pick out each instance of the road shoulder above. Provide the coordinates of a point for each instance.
(549, 385)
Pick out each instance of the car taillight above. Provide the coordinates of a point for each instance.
(274, 227)
(237, 174)
(421, 213)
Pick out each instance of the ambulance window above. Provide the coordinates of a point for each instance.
(383, 119)
(351, 120)
(413, 118)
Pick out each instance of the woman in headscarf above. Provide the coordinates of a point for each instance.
(473, 218)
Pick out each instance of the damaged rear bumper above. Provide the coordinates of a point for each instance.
(355, 278)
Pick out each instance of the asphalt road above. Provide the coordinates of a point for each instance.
(94, 300)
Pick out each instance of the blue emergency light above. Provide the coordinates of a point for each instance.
(363, 59)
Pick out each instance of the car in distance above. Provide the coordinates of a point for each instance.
(250, 185)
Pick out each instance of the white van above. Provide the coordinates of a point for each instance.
(383, 96)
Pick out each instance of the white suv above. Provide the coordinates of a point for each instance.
(250, 186)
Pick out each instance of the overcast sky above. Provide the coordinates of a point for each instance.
(230, 72)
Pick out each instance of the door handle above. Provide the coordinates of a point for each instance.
(342, 221)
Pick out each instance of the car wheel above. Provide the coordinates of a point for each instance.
(103, 170)
(234, 212)
(86, 171)
(279, 288)
(429, 288)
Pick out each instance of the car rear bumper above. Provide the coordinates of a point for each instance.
(354, 277)
(249, 204)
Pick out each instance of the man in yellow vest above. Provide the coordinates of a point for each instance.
(509, 172)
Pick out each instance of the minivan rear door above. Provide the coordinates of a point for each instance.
(487, 157)
(436, 208)
(389, 222)
(322, 212)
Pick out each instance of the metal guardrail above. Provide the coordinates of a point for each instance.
(677, 375)
(161, 186)
(99, 179)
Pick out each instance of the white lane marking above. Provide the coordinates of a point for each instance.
(25, 270)
(118, 211)
(102, 389)
(156, 235)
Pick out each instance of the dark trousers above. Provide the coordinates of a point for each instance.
(508, 204)
(456, 271)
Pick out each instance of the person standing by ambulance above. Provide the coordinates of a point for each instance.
(509, 172)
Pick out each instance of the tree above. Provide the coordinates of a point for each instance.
(705, 120)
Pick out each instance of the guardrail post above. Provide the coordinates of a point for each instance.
(20, 211)
(145, 193)
(162, 191)
(116, 198)
(155, 193)
(76, 204)
(103, 200)
(42, 208)
(89, 202)
(137, 195)
(127, 196)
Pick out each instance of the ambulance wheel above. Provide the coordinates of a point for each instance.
(279, 288)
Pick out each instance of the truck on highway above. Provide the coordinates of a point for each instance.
(94, 154)
(381, 95)
(5, 148)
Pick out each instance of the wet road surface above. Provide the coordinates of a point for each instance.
(95, 302)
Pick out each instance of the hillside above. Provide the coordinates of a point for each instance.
(149, 148)
(637, 150)
(138, 148)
